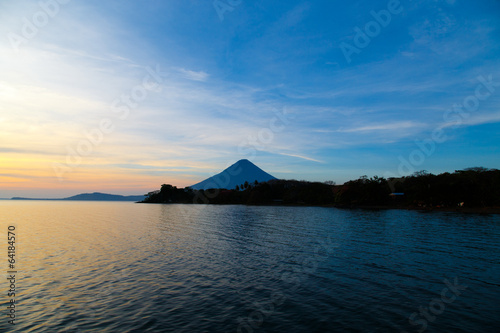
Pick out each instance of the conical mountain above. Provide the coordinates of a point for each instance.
(237, 174)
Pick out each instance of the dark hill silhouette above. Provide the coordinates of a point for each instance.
(96, 196)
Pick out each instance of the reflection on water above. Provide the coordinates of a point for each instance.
(124, 267)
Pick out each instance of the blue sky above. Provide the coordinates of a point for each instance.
(264, 80)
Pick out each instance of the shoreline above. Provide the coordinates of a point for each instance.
(463, 210)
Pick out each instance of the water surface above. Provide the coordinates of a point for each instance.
(125, 267)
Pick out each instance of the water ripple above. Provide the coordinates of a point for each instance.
(123, 267)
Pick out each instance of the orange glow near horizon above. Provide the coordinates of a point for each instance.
(34, 175)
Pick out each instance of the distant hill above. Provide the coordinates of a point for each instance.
(96, 196)
(237, 174)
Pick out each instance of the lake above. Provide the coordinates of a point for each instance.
(126, 267)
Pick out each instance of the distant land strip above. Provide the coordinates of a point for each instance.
(96, 196)
(469, 190)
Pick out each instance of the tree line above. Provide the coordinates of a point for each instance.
(472, 187)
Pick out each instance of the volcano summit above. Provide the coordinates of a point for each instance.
(237, 174)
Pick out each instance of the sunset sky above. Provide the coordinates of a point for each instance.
(123, 96)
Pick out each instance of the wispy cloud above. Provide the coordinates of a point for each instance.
(302, 157)
(193, 75)
(473, 120)
(383, 127)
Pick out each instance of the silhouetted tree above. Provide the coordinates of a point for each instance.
(475, 187)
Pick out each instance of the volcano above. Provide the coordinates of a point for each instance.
(237, 174)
